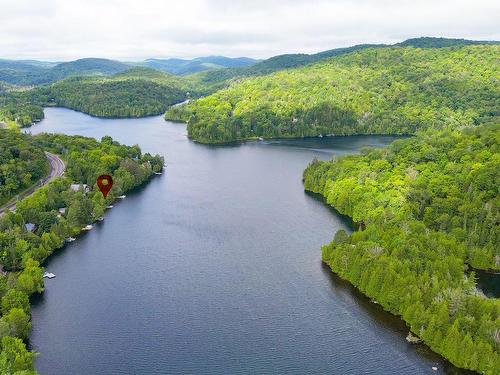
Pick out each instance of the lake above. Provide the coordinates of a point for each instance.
(214, 267)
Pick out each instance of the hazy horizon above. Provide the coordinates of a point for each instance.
(207, 56)
(128, 30)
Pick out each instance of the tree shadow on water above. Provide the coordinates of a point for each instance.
(349, 294)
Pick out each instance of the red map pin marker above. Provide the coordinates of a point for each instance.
(105, 183)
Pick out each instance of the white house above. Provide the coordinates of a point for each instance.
(80, 187)
(30, 227)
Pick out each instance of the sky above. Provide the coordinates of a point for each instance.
(59, 30)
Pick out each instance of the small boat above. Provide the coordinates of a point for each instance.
(49, 275)
(122, 196)
(320, 136)
(157, 173)
(434, 368)
(261, 139)
(87, 227)
(110, 206)
(70, 239)
(412, 339)
(100, 218)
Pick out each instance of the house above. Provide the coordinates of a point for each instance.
(80, 187)
(62, 211)
(30, 227)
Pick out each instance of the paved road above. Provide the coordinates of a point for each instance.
(57, 168)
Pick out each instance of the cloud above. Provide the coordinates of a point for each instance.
(132, 29)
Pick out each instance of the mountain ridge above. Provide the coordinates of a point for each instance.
(210, 69)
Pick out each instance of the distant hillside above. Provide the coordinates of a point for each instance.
(21, 73)
(212, 72)
(392, 90)
(181, 66)
(432, 42)
(28, 72)
(87, 66)
(217, 79)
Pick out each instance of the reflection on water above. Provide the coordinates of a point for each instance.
(489, 283)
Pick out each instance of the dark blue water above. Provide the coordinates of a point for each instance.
(488, 283)
(213, 267)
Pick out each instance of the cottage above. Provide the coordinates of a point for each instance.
(30, 227)
(80, 187)
(62, 211)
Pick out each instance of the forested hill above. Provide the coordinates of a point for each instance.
(214, 71)
(428, 206)
(88, 66)
(216, 79)
(373, 91)
(136, 92)
(432, 42)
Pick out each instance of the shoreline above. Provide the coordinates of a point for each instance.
(64, 229)
(241, 141)
(333, 255)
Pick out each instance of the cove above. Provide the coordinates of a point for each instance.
(213, 267)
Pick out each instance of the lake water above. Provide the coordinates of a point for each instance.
(213, 267)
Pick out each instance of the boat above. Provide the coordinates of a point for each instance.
(110, 206)
(412, 339)
(87, 227)
(261, 139)
(100, 218)
(320, 136)
(157, 173)
(70, 239)
(434, 368)
(49, 275)
(122, 196)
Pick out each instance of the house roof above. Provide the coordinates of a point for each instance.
(77, 187)
(30, 227)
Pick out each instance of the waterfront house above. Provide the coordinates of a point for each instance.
(30, 227)
(80, 187)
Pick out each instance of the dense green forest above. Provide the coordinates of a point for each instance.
(214, 80)
(211, 72)
(22, 108)
(138, 92)
(22, 251)
(22, 163)
(372, 91)
(426, 207)
(297, 107)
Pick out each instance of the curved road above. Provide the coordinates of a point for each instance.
(57, 168)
